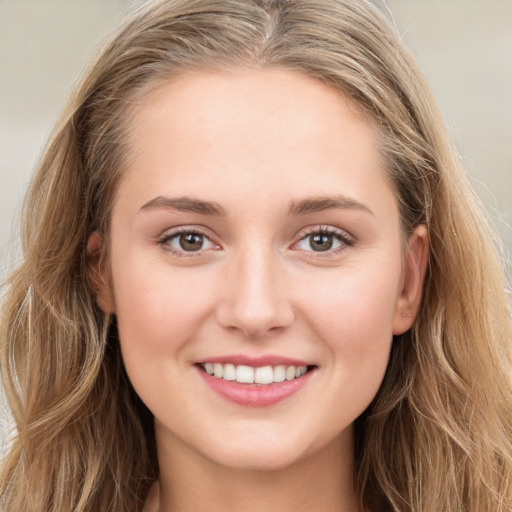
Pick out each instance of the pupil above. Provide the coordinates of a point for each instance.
(321, 242)
(191, 241)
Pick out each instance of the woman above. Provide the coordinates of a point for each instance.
(255, 278)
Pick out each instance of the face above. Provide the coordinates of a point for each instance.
(254, 236)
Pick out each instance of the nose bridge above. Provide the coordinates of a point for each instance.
(257, 302)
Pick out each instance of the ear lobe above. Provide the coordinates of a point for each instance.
(98, 274)
(415, 267)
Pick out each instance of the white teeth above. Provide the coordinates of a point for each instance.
(264, 375)
(229, 372)
(218, 370)
(300, 371)
(290, 373)
(279, 373)
(249, 375)
(245, 374)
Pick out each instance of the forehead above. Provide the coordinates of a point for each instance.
(279, 128)
(233, 96)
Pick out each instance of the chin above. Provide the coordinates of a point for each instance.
(264, 452)
(258, 460)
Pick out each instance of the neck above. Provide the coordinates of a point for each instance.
(321, 482)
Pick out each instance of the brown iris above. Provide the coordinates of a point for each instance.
(321, 242)
(191, 241)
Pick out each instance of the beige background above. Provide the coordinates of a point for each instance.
(463, 46)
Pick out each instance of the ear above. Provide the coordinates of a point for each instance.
(98, 273)
(415, 265)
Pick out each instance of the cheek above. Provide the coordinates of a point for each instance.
(355, 305)
(158, 310)
(353, 318)
(158, 313)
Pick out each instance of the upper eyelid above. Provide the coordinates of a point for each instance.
(323, 228)
(346, 240)
(300, 235)
(164, 244)
(169, 234)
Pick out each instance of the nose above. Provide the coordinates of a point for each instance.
(255, 303)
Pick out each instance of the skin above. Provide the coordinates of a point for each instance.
(259, 145)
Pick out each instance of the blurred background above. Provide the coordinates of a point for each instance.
(463, 46)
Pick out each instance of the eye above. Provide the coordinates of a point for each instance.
(324, 240)
(186, 241)
(319, 242)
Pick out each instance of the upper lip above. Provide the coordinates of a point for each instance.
(258, 361)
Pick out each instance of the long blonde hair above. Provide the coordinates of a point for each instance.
(437, 437)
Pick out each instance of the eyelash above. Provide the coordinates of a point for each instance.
(164, 241)
(342, 237)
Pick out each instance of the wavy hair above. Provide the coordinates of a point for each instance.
(438, 435)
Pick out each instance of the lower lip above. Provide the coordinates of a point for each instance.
(255, 395)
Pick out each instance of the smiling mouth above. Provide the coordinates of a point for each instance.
(262, 375)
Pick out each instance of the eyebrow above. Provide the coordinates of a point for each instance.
(303, 207)
(318, 204)
(186, 204)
